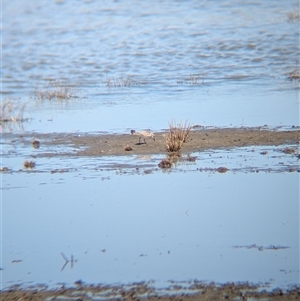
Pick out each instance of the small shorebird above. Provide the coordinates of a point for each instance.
(143, 134)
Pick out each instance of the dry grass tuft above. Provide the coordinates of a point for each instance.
(120, 82)
(56, 91)
(294, 75)
(192, 79)
(29, 164)
(12, 111)
(178, 134)
(293, 16)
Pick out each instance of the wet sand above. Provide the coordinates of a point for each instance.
(85, 144)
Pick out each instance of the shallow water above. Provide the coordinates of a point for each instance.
(141, 223)
(182, 227)
(132, 65)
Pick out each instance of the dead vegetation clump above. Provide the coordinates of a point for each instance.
(190, 158)
(169, 160)
(174, 158)
(36, 144)
(29, 164)
(12, 111)
(177, 135)
(264, 153)
(56, 91)
(288, 150)
(128, 148)
(165, 163)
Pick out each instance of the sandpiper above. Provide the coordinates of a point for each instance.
(143, 134)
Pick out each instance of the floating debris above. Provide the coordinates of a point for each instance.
(59, 170)
(261, 248)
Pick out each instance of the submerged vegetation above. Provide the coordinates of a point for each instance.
(177, 135)
(127, 81)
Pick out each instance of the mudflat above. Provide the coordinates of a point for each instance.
(85, 144)
(140, 291)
